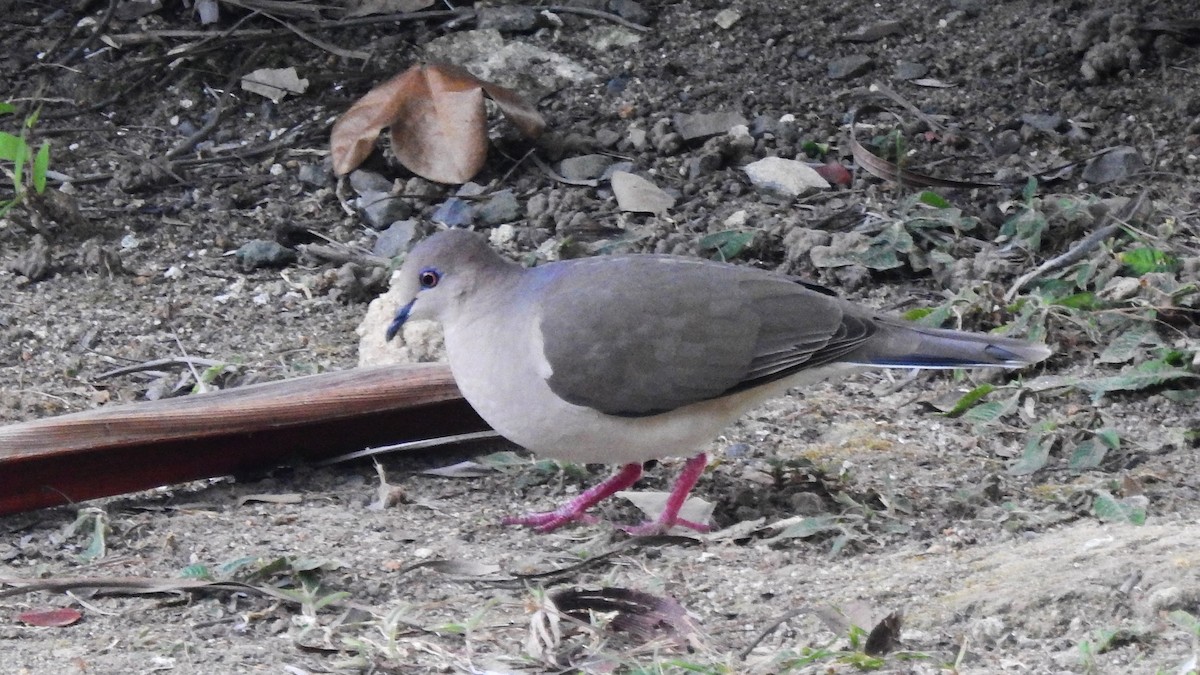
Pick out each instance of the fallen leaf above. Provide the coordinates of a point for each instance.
(438, 122)
(638, 195)
(274, 83)
(652, 504)
(50, 618)
(288, 498)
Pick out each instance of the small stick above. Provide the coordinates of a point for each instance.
(1080, 248)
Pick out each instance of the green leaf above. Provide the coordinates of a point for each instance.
(1086, 300)
(7, 108)
(1149, 374)
(197, 571)
(41, 163)
(1087, 455)
(1110, 438)
(33, 118)
(1030, 190)
(1108, 508)
(930, 198)
(1145, 260)
(970, 399)
(1125, 346)
(11, 147)
(815, 149)
(986, 413)
(917, 314)
(727, 244)
(1033, 458)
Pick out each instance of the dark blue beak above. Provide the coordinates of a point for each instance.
(398, 322)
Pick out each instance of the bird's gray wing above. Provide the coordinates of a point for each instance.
(641, 335)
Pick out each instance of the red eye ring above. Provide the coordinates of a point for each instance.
(428, 278)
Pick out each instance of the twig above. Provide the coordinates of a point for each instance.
(91, 39)
(771, 629)
(1081, 247)
(342, 255)
(597, 14)
(189, 361)
(321, 44)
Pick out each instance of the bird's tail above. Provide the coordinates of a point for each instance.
(900, 345)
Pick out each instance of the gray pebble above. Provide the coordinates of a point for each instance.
(454, 212)
(364, 181)
(500, 207)
(263, 253)
(1113, 166)
(849, 66)
(584, 167)
(705, 125)
(380, 209)
(910, 70)
(399, 237)
(314, 174)
(630, 11)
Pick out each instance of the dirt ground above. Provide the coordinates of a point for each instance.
(165, 167)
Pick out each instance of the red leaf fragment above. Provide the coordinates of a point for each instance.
(50, 618)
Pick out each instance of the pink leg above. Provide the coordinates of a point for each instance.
(679, 494)
(547, 521)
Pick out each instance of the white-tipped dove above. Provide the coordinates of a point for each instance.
(626, 358)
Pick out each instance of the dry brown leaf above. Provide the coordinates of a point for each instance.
(437, 119)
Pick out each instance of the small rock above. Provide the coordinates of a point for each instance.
(315, 175)
(874, 31)
(500, 207)
(34, 262)
(737, 220)
(584, 167)
(704, 164)
(637, 138)
(786, 177)
(849, 66)
(506, 19)
(537, 205)
(454, 212)
(399, 237)
(380, 209)
(470, 189)
(263, 253)
(638, 195)
(97, 258)
(630, 11)
(669, 144)
(364, 181)
(1044, 122)
(665, 141)
(910, 70)
(1006, 143)
(419, 188)
(705, 125)
(1112, 166)
(607, 138)
(613, 169)
(726, 18)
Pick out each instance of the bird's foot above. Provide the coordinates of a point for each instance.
(548, 521)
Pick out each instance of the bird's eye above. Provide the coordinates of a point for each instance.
(429, 278)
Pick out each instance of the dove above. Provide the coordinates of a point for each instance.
(621, 359)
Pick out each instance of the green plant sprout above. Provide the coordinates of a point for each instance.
(15, 149)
